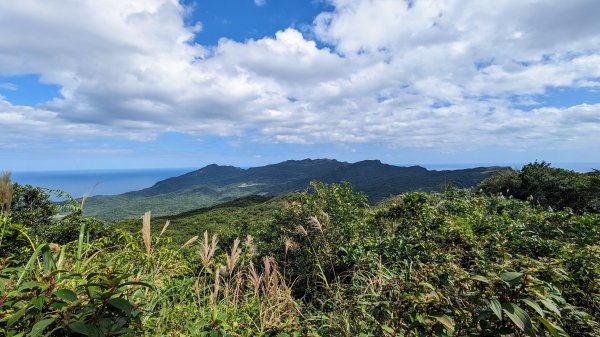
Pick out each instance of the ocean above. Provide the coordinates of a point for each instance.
(97, 182)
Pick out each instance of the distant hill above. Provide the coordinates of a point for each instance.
(215, 184)
(228, 220)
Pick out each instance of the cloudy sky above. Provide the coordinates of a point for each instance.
(168, 83)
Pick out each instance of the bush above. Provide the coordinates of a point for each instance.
(316, 235)
(547, 186)
(32, 207)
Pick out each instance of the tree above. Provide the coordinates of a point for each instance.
(548, 186)
(32, 207)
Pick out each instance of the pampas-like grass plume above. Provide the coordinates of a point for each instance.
(190, 241)
(164, 229)
(208, 249)
(254, 278)
(234, 256)
(250, 246)
(6, 192)
(316, 223)
(146, 232)
(289, 244)
(215, 293)
(302, 230)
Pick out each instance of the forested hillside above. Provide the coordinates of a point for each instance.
(215, 184)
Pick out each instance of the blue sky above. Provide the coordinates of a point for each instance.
(161, 83)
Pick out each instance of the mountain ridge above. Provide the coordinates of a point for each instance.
(213, 184)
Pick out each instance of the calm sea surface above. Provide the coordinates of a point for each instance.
(97, 182)
(108, 182)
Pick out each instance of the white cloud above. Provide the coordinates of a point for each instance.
(436, 73)
(260, 3)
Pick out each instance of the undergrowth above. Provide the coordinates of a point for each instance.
(326, 263)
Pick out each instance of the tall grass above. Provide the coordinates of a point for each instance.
(6, 192)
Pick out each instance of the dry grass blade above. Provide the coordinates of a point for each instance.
(237, 289)
(164, 229)
(146, 232)
(215, 293)
(190, 241)
(269, 277)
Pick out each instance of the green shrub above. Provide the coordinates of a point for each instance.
(547, 186)
(316, 235)
(32, 207)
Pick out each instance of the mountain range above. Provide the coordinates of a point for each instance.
(215, 184)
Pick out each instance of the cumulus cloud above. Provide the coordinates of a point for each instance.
(448, 74)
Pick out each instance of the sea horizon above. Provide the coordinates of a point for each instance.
(93, 182)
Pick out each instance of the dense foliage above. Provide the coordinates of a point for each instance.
(549, 187)
(317, 263)
(51, 221)
(229, 220)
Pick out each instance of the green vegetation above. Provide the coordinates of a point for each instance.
(216, 184)
(229, 220)
(549, 187)
(50, 221)
(323, 262)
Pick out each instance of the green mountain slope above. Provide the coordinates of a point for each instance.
(215, 184)
(229, 220)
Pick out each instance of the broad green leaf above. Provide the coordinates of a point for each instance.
(121, 304)
(30, 285)
(551, 306)
(66, 295)
(15, 317)
(511, 277)
(427, 285)
(58, 305)
(104, 324)
(39, 327)
(84, 329)
(534, 306)
(387, 329)
(39, 301)
(519, 316)
(549, 326)
(480, 278)
(496, 307)
(446, 321)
